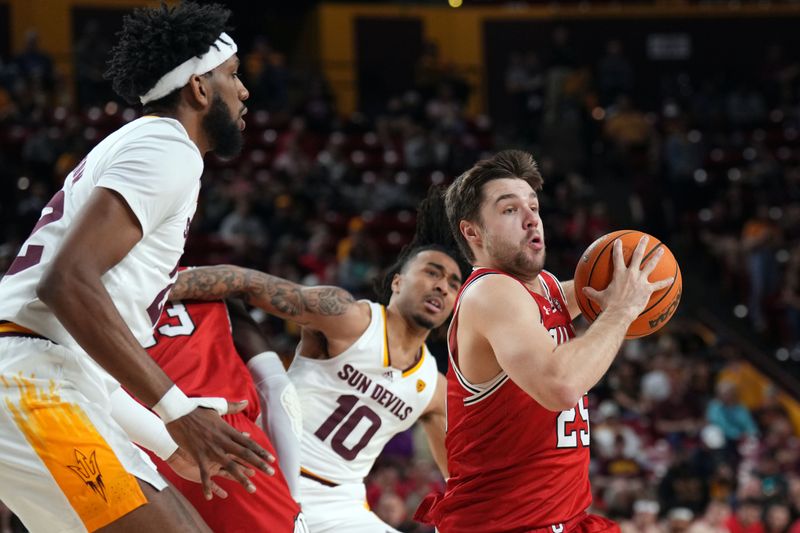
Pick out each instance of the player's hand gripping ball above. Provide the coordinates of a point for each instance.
(596, 268)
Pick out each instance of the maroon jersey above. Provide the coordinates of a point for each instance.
(514, 465)
(194, 346)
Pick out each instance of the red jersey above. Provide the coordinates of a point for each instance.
(194, 346)
(514, 465)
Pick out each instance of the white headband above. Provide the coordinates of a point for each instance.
(217, 54)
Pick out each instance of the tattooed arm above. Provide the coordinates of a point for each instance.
(330, 310)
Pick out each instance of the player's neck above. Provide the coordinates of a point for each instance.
(192, 123)
(530, 282)
(404, 339)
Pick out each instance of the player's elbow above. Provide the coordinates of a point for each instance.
(560, 396)
(50, 285)
(56, 284)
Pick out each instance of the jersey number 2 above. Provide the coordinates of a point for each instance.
(346, 403)
(568, 438)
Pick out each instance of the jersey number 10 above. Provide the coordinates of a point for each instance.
(346, 426)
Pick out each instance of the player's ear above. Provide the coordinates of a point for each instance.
(396, 280)
(199, 91)
(471, 232)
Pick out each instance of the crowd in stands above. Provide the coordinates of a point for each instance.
(685, 438)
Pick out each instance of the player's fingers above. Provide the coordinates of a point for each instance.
(235, 470)
(638, 252)
(652, 262)
(245, 441)
(249, 472)
(618, 259)
(661, 284)
(245, 451)
(205, 480)
(218, 491)
(236, 407)
(591, 293)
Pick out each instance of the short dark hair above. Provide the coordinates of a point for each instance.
(464, 196)
(432, 233)
(154, 41)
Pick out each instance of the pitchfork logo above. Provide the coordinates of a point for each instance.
(89, 472)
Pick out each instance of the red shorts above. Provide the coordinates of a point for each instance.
(585, 523)
(270, 508)
(581, 523)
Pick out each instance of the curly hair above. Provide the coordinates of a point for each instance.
(432, 233)
(153, 41)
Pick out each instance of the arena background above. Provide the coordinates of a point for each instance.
(677, 117)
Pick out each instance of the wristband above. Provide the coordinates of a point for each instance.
(173, 405)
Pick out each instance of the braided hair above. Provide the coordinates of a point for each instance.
(154, 41)
(432, 233)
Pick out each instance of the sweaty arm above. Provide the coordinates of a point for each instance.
(434, 422)
(330, 310)
(281, 416)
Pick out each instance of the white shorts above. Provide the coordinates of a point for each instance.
(338, 509)
(65, 464)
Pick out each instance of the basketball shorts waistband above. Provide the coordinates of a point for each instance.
(319, 479)
(10, 329)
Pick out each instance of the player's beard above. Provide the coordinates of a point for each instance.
(513, 259)
(422, 321)
(222, 130)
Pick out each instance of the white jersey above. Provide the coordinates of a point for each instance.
(154, 165)
(355, 402)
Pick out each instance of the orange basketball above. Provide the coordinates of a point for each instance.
(596, 268)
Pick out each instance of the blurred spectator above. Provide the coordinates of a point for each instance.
(726, 412)
(90, 53)
(759, 239)
(32, 63)
(684, 485)
(679, 520)
(645, 518)
(746, 518)
(392, 509)
(267, 77)
(525, 85)
(777, 518)
(614, 74)
(713, 520)
(791, 298)
(242, 230)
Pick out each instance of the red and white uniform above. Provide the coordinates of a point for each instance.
(514, 465)
(194, 346)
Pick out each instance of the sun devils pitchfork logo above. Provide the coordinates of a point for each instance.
(89, 472)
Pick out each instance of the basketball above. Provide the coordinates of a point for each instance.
(596, 268)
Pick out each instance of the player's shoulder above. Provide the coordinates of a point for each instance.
(492, 286)
(162, 134)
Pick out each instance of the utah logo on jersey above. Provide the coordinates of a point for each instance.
(420, 385)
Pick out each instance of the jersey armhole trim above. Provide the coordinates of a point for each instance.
(477, 391)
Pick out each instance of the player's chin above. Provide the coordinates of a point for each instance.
(427, 321)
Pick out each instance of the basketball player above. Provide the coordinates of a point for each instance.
(362, 371)
(203, 348)
(90, 282)
(517, 415)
